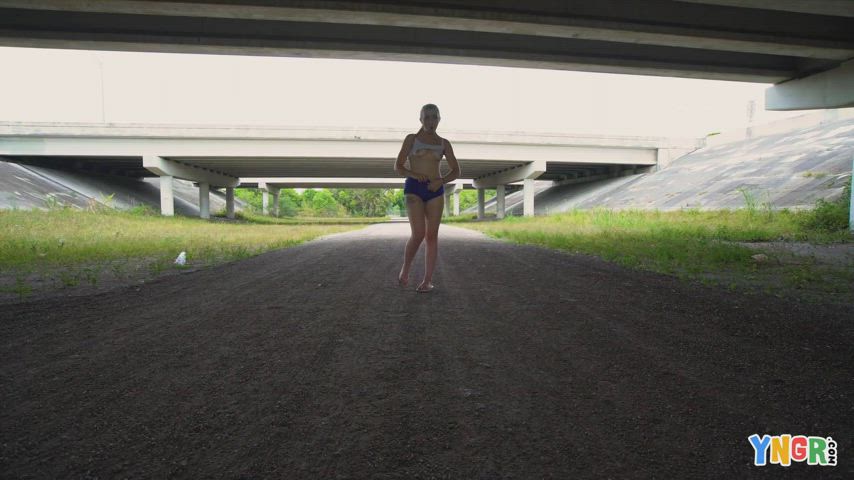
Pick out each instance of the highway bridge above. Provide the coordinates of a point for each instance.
(805, 48)
(278, 157)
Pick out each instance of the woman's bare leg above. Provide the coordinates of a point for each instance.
(415, 211)
(433, 214)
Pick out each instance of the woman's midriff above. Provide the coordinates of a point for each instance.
(425, 163)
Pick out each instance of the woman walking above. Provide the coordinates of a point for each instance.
(424, 191)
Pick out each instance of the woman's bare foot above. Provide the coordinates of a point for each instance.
(403, 279)
(424, 287)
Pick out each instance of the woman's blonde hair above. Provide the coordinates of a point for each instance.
(429, 108)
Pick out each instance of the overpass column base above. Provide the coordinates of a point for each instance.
(229, 202)
(265, 201)
(480, 203)
(851, 205)
(528, 193)
(457, 200)
(499, 201)
(446, 208)
(167, 200)
(204, 200)
(276, 202)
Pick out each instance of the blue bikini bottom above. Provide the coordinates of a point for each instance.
(412, 185)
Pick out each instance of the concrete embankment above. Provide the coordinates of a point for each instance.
(28, 187)
(787, 167)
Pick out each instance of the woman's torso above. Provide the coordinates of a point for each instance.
(425, 155)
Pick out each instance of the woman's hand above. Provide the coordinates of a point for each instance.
(419, 176)
(435, 184)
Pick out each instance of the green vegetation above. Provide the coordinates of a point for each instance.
(72, 247)
(328, 202)
(340, 203)
(693, 243)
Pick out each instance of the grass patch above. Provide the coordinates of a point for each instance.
(77, 245)
(693, 243)
(269, 220)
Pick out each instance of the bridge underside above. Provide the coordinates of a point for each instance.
(802, 46)
(272, 158)
(288, 167)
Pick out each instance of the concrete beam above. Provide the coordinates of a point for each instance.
(598, 21)
(829, 89)
(163, 166)
(842, 8)
(530, 170)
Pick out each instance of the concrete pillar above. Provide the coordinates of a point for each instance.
(480, 202)
(499, 201)
(204, 200)
(229, 202)
(265, 201)
(457, 200)
(167, 200)
(851, 205)
(528, 194)
(446, 208)
(276, 202)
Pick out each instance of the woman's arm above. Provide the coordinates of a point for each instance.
(399, 167)
(453, 163)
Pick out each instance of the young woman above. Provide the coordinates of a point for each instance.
(424, 191)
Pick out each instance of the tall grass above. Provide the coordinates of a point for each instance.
(69, 236)
(691, 242)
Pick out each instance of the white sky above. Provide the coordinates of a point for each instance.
(66, 86)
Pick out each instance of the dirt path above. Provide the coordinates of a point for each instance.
(310, 362)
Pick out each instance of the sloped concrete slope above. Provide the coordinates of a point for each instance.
(790, 170)
(28, 187)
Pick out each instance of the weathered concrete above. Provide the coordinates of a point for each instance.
(219, 155)
(792, 169)
(204, 200)
(229, 202)
(29, 187)
(833, 88)
(167, 199)
(741, 40)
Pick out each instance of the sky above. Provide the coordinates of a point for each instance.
(43, 85)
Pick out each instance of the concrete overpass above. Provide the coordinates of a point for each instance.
(277, 157)
(804, 47)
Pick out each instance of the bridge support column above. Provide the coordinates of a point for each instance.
(265, 201)
(276, 201)
(499, 201)
(449, 191)
(167, 200)
(480, 202)
(229, 202)
(528, 197)
(457, 201)
(204, 200)
(851, 205)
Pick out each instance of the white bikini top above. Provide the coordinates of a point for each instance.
(419, 145)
